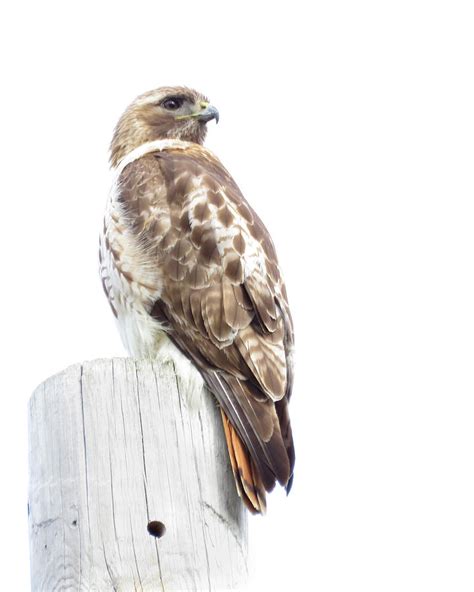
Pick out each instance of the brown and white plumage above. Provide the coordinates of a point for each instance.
(185, 259)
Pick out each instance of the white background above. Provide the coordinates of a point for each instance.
(349, 127)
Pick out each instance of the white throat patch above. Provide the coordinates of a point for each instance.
(154, 146)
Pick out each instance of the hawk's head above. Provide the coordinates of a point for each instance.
(168, 112)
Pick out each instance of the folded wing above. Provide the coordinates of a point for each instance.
(223, 302)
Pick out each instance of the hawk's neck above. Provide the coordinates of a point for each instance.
(147, 147)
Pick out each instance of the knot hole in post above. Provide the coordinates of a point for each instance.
(156, 528)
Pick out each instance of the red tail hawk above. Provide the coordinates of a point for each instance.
(185, 259)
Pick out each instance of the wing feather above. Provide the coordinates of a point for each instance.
(224, 302)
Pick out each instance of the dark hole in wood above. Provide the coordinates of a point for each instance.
(74, 522)
(156, 528)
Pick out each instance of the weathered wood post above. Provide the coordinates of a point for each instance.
(130, 484)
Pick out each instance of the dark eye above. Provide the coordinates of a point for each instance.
(172, 103)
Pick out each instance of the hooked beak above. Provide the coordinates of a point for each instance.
(209, 112)
(205, 114)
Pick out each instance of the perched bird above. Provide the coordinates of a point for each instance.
(186, 263)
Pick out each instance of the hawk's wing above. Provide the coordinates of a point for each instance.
(223, 301)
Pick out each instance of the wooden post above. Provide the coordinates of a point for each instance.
(130, 484)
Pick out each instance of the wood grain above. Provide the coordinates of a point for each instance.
(115, 445)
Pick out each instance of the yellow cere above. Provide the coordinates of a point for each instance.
(202, 104)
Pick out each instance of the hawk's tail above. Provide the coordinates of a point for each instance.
(248, 481)
(258, 435)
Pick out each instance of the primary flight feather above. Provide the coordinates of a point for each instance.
(184, 260)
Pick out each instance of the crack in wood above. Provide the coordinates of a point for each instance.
(84, 440)
(107, 566)
(135, 556)
(45, 523)
(140, 418)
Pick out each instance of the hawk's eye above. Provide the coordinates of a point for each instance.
(172, 103)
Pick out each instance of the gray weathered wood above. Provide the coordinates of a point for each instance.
(115, 444)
